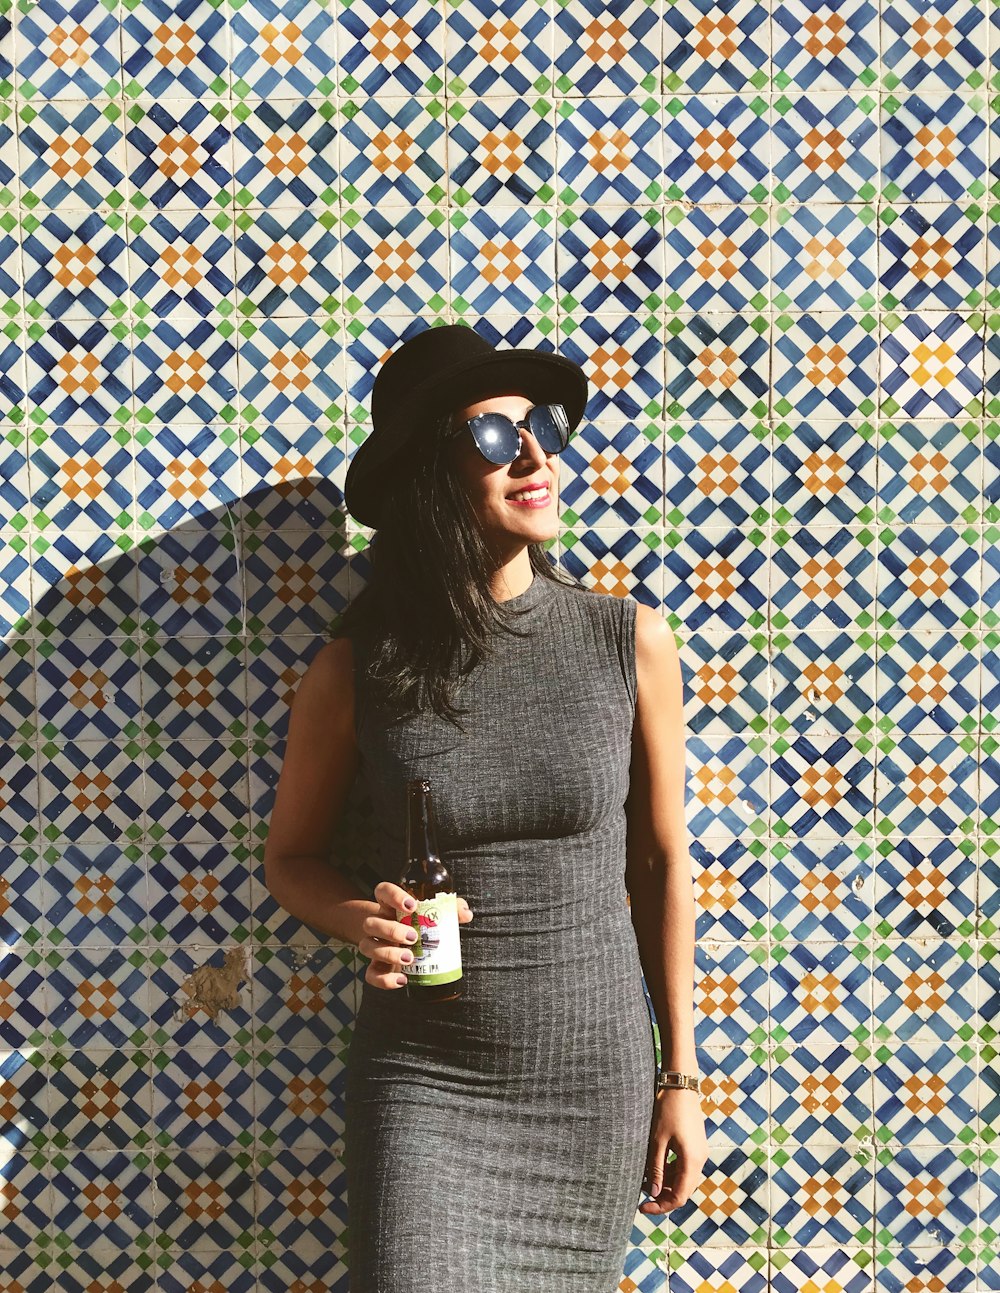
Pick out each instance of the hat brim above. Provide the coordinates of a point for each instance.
(537, 374)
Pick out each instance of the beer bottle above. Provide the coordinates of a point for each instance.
(435, 973)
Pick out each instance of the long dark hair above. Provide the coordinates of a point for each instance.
(426, 614)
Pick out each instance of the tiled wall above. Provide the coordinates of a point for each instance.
(769, 235)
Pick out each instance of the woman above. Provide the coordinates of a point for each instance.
(497, 1141)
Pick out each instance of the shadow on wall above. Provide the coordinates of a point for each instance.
(163, 677)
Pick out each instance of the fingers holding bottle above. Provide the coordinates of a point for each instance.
(387, 942)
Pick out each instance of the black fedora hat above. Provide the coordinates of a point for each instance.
(443, 368)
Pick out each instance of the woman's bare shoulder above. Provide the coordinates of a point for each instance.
(330, 673)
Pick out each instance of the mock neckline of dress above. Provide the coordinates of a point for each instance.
(532, 594)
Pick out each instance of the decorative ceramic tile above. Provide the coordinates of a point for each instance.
(929, 683)
(825, 364)
(22, 898)
(14, 484)
(74, 265)
(309, 1261)
(301, 1196)
(182, 264)
(286, 267)
(930, 472)
(82, 586)
(99, 1099)
(924, 1095)
(821, 1096)
(65, 53)
(88, 689)
(769, 236)
(171, 53)
(178, 154)
(932, 256)
(932, 147)
(821, 992)
(28, 1225)
(926, 1194)
(178, 1269)
(300, 471)
(97, 997)
(203, 1099)
(393, 149)
(928, 577)
(81, 478)
(92, 792)
(726, 682)
(821, 887)
(194, 688)
(25, 1023)
(300, 998)
(503, 151)
(608, 150)
(729, 1208)
(716, 365)
(384, 48)
(395, 257)
(717, 257)
(822, 683)
(925, 991)
(717, 472)
(938, 46)
(925, 887)
(13, 373)
(617, 561)
(610, 476)
(716, 47)
(205, 1200)
(499, 49)
(71, 153)
(951, 1266)
(23, 1086)
(68, 1266)
(504, 262)
(931, 365)
(716, 148)
(79, 373)
(825, 146)
(817, 47)
(299, 1094)
(184, 374)
(199, 894)
(95, 896)
(290, 578)
(285, 153)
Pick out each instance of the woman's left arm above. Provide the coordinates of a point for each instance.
(661, 903)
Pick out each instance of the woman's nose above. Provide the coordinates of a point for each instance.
(529, 445)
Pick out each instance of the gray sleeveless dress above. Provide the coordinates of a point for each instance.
(497, 1143)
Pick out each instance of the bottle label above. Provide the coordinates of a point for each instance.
(437, 953)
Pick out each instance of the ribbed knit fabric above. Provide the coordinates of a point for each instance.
(496, 1144)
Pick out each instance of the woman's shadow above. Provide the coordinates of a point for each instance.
(144, 717)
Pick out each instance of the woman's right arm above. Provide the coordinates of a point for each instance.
(321, 760)
(318, 770)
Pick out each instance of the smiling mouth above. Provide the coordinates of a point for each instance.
(536, 499)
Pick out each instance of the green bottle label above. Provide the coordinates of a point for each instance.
(437, 953)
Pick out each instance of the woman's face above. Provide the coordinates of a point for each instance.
(508, 524)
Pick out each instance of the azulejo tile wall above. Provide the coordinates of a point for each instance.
(769, 233)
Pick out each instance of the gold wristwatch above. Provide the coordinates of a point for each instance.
(671, 1080)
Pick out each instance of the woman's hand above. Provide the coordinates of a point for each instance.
(678, 1125)
(387, 940)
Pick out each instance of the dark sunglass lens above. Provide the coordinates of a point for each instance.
(496, 436)
(550, 427)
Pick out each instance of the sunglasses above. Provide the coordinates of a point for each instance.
(498, 437)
